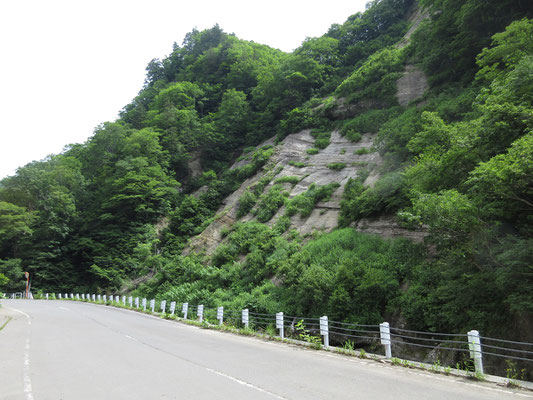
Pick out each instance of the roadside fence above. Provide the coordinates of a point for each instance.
(320, 331)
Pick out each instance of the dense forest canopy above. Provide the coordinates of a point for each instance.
(459, 162)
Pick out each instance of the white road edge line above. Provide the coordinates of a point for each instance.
(241, 382)
(28, 391)
(214, 371)
(21, 312)
(282, 345)
(232, 378)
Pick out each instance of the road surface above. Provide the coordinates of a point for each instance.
(64, 350)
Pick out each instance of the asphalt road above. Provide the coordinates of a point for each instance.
(63, 350)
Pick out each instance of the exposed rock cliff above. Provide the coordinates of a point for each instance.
(288, 154)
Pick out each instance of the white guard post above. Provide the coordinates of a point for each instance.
(123, 300)
(220, 315)
(83, 296)
(99, 297)
(130, 301)
(245, 318)
(72, 296)
(77, 296)
(324, 330)
(66, 296)
(94, 297)
(474, 344)
(105, 298)
(279, 324)
(384, 331)
(152, 305)
(144, 304)
(136, 302)
(185, 310)
(172, 307)
(200, 313)
(163, 306)
(59, 296)
(46, 296)
(117, 299)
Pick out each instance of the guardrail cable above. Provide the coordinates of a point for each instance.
(428, 339)
(506, 349)
(484, 339)
(430, 347)
(429, 333)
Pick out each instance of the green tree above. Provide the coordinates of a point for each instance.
(503, 184)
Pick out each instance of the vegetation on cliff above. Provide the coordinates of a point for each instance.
(459, 162)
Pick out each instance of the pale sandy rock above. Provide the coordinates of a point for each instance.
(194, 165)
(411, 86)
(325, 215)
(371, 179)
(320, 219)
(387, 227)
(415, 19)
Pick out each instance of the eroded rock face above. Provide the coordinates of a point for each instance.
(411, 86)
(294, 149)
(415, 19)
(387, 227)
(325, 215)
(194, 164)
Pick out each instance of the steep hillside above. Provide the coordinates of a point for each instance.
(292, 167)
(380, 171)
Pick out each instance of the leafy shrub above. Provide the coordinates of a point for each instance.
(270, 203)
(322, 141)
(258, 187)
(295, 121)
(376, 78)
(353, 136)
(387, 196)
(223, 254)
(322, 138)
(348, 273)
(368, 122)
(305, 202)
(362, 150)
(246, 203)
(282, 224)
(297, 164)
(337, 166)
(312, 151)
(394, 135)
(293, 180)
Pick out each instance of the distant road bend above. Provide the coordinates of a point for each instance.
(62, 350)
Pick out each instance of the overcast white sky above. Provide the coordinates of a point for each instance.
(68, 65)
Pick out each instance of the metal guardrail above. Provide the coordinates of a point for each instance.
(472, 343)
